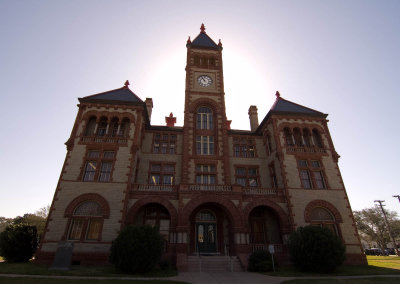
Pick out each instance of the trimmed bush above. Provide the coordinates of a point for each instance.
(137, 249)
(316, 249)
(260, 261)
(18, 242)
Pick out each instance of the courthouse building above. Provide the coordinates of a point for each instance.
(211, 190)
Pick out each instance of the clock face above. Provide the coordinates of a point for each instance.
(204, 80)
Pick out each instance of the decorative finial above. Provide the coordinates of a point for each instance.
(203, 29)
(171, 115)
(126, 84)
(277, 94)
(219, 43)
(189, 41)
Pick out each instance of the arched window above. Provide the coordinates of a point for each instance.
(317, 138)
(306, 137)
(269, 144)
(124, 129)
(113, 127)
(204, 118)
(205, 215)
(212, 61)
(324, 218)
(90, 127)
(203, 61)
(154, 214)
(197, 60)
(297, 137)
(102, 128)
(288, 136)
(264, 226)
(86, 222)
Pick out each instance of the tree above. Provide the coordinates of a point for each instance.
(4, 222)
(43, 212)
(33, 220)
(18, 242)
(137, 249)
(316, 249)
(371, 225)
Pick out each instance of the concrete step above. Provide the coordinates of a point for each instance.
(214, 263)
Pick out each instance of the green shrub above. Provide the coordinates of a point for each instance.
(137, 249)
(18, 242)
(316, 249)
(164, 264)
(260, 261)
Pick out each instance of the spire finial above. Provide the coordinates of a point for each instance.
(277, 94)
(126, 83)
(189, 41)
(203, 29)
(219, 43)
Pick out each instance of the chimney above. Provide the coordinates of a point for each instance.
(149, 106)
(253, 116)
(170, 120)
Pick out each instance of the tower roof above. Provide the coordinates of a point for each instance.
(118, 96)
(285, 107)
(203, 40)
(282, 105)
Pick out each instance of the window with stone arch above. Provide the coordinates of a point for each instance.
(205, 118)
(288, 136)
(86, 222)
(316, 137)
(322, 217)
(91, 126)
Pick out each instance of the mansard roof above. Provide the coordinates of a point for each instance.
(118, 96)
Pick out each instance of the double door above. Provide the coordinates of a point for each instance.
(206, 237)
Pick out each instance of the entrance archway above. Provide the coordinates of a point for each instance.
(206, 231)
(155, 215)
(210, 230)
(264, 226)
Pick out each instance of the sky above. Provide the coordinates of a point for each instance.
(338, 57)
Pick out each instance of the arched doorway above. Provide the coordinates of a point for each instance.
(206, 231)
(155, 215)
(210, 230)
(264, 227)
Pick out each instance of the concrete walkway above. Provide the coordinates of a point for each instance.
(207, 277)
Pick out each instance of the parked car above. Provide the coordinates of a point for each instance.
(376, 251)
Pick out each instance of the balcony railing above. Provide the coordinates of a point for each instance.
(305, 149)
(104, 139)
(153, 187)
(260, 191)
(277, 247)
(210, 187)
(203, 187)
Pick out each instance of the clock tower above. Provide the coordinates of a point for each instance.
(205, 154)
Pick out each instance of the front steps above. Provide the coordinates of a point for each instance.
(215, 263)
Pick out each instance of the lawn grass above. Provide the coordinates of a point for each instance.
(29, 268)
(384, 261)
(377, 265)
(27, 280)
(386, 280)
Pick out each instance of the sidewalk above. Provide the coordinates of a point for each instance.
(207, 277)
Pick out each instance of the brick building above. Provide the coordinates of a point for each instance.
(209, 188)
